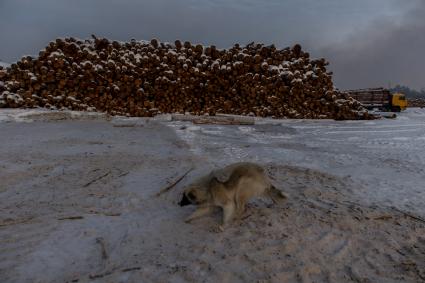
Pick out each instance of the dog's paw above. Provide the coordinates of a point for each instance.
(217, 229)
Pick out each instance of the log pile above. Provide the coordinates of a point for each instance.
(140, 78)
(416, 102)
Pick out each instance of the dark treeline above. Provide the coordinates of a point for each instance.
(411, 93)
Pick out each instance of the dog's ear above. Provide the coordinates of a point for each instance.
(221, 176)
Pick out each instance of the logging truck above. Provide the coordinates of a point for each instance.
(379, 98)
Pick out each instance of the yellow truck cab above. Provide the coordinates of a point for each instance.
(399, 101)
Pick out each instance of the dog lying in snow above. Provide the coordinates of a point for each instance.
(229, 188)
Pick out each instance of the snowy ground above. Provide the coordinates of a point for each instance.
(77, 196)
(386, 158)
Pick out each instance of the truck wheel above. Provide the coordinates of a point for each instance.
(396, 109)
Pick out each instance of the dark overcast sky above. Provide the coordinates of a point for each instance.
(368, 42)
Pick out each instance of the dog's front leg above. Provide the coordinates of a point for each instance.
(229, 211)
(201, 211)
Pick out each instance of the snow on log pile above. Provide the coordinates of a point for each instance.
(4, 65)
(140, 78)
(416, 102)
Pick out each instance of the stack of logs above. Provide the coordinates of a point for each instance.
(416, 102)
(140, 78)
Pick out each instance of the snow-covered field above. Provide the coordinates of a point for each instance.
(386, 158)
(78, 200)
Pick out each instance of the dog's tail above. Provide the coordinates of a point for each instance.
(276, 195)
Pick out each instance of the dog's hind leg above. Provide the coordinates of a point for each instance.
(240, 207)
(229, 211)
(276, 195)
(201, 211)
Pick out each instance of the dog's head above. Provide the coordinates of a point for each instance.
(193, 195)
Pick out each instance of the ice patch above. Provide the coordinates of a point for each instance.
(246, 129)
(401, 138)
